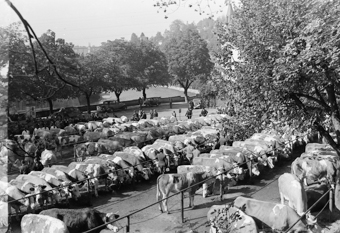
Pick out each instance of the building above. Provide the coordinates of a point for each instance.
(83, 50)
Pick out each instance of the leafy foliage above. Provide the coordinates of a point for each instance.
(288, 64)
(149, 64)
(187, 55)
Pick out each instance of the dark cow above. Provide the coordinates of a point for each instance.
(80, 220)
(276, 216)
(168, 183)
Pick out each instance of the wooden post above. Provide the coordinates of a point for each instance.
(89, 190)
(128, 224)
(182, 206)
(221, 188)
(331, 199)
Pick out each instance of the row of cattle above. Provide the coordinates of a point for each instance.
(312, 175)
(121, 167)
(101, 165)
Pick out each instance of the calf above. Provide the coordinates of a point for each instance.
(167, 183)
(276, 216)
(80, 220)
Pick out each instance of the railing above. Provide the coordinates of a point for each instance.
(128, 216)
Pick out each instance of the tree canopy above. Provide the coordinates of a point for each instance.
(187, 54)
(289, 61)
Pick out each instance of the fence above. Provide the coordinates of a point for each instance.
(181, 192)
(128, 216)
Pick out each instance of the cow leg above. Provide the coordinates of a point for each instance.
(165, 202)
(282, 199)
(191, 200)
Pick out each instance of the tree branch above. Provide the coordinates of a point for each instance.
(323, 104)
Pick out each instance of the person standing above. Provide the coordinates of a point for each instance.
(140, 101)
(188, 114)
(151, 114)
(174, 115)
(189, 152)
(170, 102)
(155, 113)
(163, 163)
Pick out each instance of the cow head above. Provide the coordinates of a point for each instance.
(74, 190)
(255, 169)
(110, 217)
(144, 173)
(231, 180)
(40, 197)
(270, 161)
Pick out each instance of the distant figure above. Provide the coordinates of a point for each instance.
(143, 115)
(151, 114)
(155, 113)
(204, 112)
(140, 101)
(189, 152)
(174, 114)
(163, 163)
(135, 116)
(191, 105)
(189, 113)
(24, 168)
(170, 102)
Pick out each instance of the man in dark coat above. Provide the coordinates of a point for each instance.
(189, 113)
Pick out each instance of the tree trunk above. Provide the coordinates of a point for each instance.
(88, 103)
(118, 93)
(50, 104)
(186, 95)
(144, 93)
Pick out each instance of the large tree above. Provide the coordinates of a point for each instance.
(149, 64)
(35, 79)
(116, 57)
(89, 78)
(289, 52)
(187, 54)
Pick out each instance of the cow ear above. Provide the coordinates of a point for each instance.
(43, 186)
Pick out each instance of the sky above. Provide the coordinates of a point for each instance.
(85, 22)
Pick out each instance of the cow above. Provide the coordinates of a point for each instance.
(70, 191)
(235, 219)
(276, 216)
(40, 224)
(16, 197)
(90, 171)
(315, 169)
(80, 220)
(228, 180)
(220, 163)
(167, 183)
(108, 146)
(291, 189)
(41, 186)
(48, 158)
(136, 163)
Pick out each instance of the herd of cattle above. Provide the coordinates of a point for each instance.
(313, 174)
(115, 152)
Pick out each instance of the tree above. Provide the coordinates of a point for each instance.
(149, 65)
(134, 38)
(158, 39)
(115, 57)
(187, 55)
(290, 54)
(90, 77)
(36, 79)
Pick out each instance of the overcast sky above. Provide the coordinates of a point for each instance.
(94, 21)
